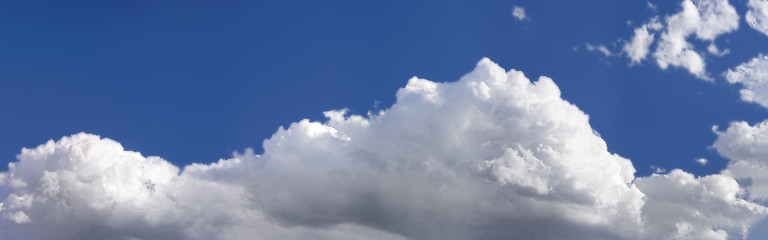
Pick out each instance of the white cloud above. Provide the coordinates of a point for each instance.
(519, 13)
(638, 48)
(682, 206)
(714, 50)
(490, 156)
(706, 19)
(753, 77)
(598, 48)
(747, 148)
(757, 16)
(86, 187)
(652, 7)
(702, 161)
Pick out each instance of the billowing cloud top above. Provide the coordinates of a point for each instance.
(747, 147)
(490, 156)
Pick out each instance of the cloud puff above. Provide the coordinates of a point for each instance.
(638, 48)
(747, 148)
(519, 13)
(490, 156)
(753, 76)
(705, 19)
(681, 206)
(757, 16)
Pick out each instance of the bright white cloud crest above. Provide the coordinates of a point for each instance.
(490, 156)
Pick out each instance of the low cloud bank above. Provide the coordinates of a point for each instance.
(490, 156)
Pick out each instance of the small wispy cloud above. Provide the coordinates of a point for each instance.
(702, 161)
(519, 13)
(599, 48)
(652, 7)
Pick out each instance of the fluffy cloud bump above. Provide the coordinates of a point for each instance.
(753, 76)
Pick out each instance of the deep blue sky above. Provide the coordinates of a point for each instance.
(193, 81)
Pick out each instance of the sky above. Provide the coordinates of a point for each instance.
(384, 120)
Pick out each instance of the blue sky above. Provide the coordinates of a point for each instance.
(195, 81)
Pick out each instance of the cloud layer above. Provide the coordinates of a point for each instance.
(490, 156)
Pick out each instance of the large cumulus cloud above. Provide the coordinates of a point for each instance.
(490, 156)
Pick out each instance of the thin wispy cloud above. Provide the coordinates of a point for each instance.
(598, 48)
(652, 6)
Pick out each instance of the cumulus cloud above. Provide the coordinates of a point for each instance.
(490, 156)
(682, 206)
(87, 187)
(747, 148)
(753, 77)
(519, 13)
(757, 16)
(702, 161)
(638, 48)
(704, 19)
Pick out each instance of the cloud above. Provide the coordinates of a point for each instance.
(757, 16)
(704, 19)
(652, 6)
(753, 77)
(747, 148)
(702, 161)
(87, 187)
(714, 50)
(519, 13)
(599, 48)
(490, 156)
(638, 48)
(682, 206)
